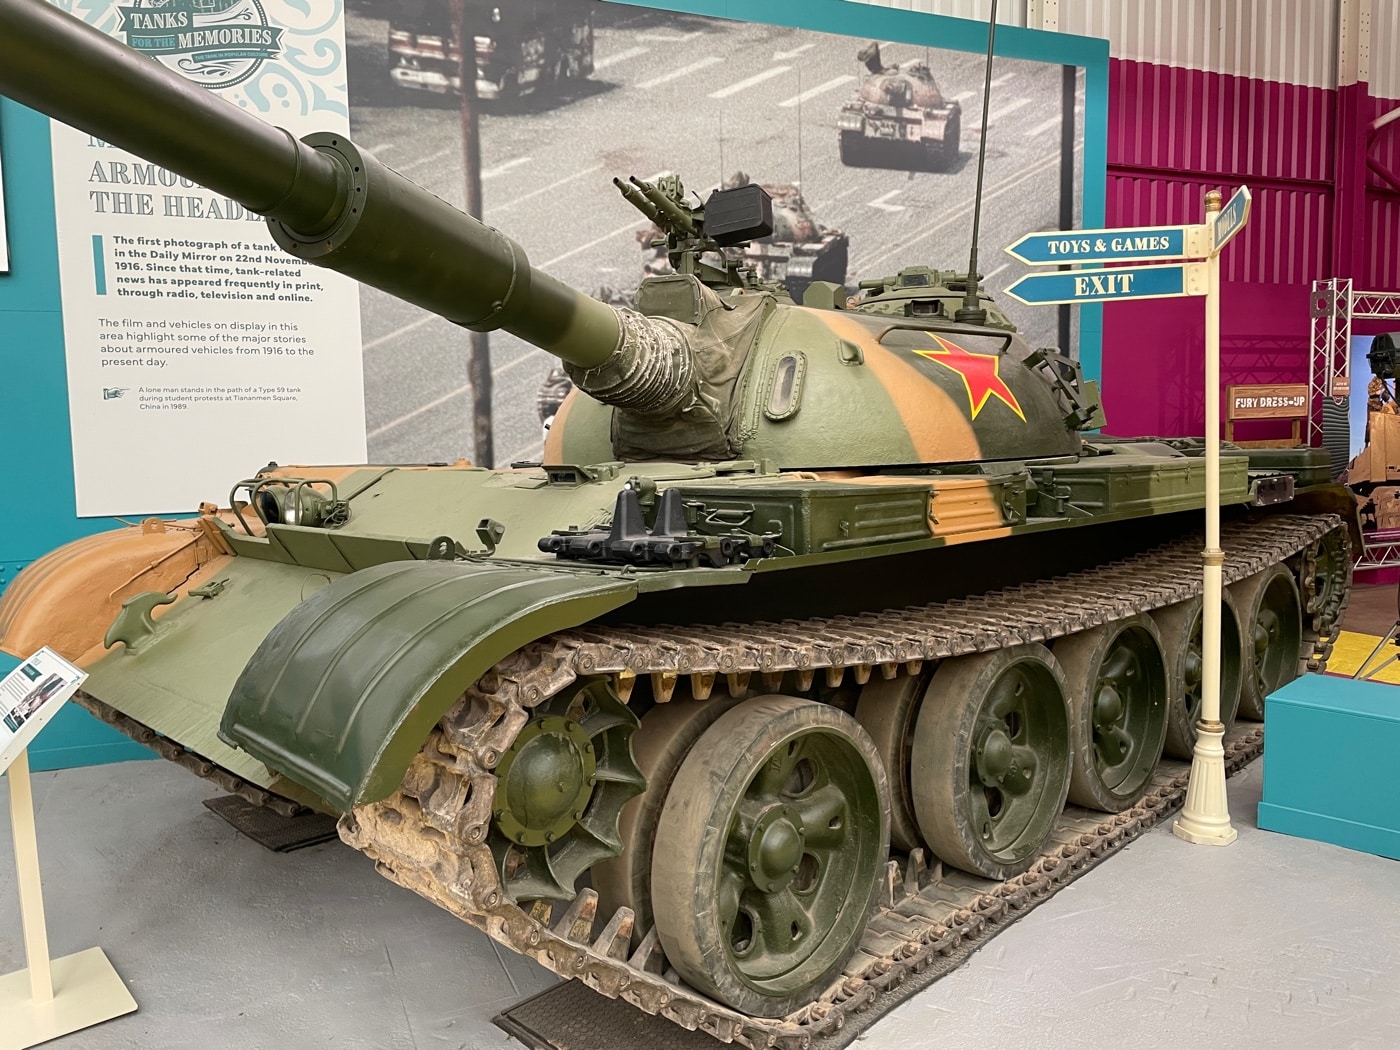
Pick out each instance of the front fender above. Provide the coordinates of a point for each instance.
(342, 693)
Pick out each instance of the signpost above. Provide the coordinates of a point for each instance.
(1104, 285)
(1205, 818)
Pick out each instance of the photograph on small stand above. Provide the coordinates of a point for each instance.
(868, 149)
(30, 696)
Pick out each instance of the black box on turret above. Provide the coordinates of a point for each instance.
(742, 214)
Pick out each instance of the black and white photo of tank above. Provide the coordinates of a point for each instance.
(701, 98)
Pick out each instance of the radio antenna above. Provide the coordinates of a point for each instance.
(799, 127)
(971, 311)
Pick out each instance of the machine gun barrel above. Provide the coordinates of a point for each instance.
(675, 216)
(325, 200)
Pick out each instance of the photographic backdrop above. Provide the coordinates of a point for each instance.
(702, 98)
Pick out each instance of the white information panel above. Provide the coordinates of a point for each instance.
(30, 695)
(197, 350)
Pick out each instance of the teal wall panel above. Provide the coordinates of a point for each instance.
(37, 507)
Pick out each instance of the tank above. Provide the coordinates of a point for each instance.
(800, 249)
(804, 606)
(898, 118)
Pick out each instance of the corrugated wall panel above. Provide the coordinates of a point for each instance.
(1189, 120)
(1293, 41)
(1384, 262)
(1287, 241)
(1385, 48)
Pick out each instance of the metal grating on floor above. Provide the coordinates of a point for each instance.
(270, 830)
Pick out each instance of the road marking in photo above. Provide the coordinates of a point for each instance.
(744, 85)
(501, 169)
(591, 244)
(669, 38)
(531, 453)
(438, 402)
(545, 189)
(621, 56)
(881, 202)
(956, 215)
(1006, 110)
(783, 56)
(1045, 125)
(404, 169)
(999, 81)
(989, 276)
(684, 71)
(963, 96)
(820, 89)
(412, 327)
(381, 148)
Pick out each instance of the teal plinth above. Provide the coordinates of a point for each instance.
(1330, 770)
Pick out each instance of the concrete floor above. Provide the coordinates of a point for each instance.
(227, 945)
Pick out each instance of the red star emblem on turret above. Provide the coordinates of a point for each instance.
(980, 374)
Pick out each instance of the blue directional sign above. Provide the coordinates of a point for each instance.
(1143, 244)
(1231, 219)
(1106, 285)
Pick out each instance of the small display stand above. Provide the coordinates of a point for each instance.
(48, 998)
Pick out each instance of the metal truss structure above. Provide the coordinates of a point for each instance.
(1335, 304)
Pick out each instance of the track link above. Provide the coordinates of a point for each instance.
(431, 835)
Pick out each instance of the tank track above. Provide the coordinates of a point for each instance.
(187, 759)
(431, 836)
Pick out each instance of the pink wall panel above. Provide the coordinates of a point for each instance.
(1189, 120)
(1173, 134)
(1382, 259)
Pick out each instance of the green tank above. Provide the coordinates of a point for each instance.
(803, 603)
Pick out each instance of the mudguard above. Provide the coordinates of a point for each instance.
(342, 693)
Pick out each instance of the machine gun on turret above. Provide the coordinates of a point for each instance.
(730, 218)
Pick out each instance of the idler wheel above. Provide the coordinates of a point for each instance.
(1180, 626)
(661, 742)
(1117, 679)
(560, 788)
(768, 853)
(990, 765)
(1271, 618)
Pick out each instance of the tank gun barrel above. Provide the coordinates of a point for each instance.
(325, 200)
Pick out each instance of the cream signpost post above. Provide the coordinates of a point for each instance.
(1205, 818)
(48, 998)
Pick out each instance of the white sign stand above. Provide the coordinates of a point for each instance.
(48, 998)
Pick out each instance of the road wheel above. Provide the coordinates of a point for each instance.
(1271, 619)
(1180, 626)
(886, 711)
(769, 850)
(1117, 679)
(661, 742)
(560, 788)
(990, 764)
